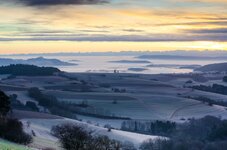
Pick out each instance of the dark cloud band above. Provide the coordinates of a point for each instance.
(123, 38)
(209, 31)
(60, 2)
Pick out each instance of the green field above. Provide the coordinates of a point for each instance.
(5, 145)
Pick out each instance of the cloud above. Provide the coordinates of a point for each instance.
(203, 1)
(209, 31)
(122, 38)
(132, 30)
(217, 23)
(209, 1)
(59, 2)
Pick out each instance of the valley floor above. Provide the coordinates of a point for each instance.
(135, 96)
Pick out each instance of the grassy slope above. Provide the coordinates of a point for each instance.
(5, 145)
(42, 129)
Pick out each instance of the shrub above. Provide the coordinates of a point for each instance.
(114, 102)
(44, 100)
(4, 104)
(72, 136)
(12, 130)
(78, 137)
(32, 106)
(105, 85)
(148, 145)
(172, 144)
(189, 82)
(103, 143)
(225, 79)
(128, 146)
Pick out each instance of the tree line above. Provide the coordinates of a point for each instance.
(67, 109)
(149, 127)
(209, 101)
(27, 70)
(215, 88)
(208, 133)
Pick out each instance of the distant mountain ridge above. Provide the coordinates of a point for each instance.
(182, 57)
(204, 53)
(28, 70)
(220, 67)
(39, 61)
(130, 61)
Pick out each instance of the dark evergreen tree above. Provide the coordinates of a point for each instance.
(4, 104)
(225, 79)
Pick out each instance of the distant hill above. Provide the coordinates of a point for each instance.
(137, 69)
(130, 61)
(205, 53)
(220, 67)
(180, 66)
(39, 61)
(28, 70)
(179, 57)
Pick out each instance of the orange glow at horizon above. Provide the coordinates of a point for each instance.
(65, 46)
(183, 25)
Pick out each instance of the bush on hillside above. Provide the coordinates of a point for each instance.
(12, 130)
(4, 104)
(225, 79)
(75, 136)
(32, 106)
(72, 136)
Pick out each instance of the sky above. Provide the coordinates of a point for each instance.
(46, 26)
